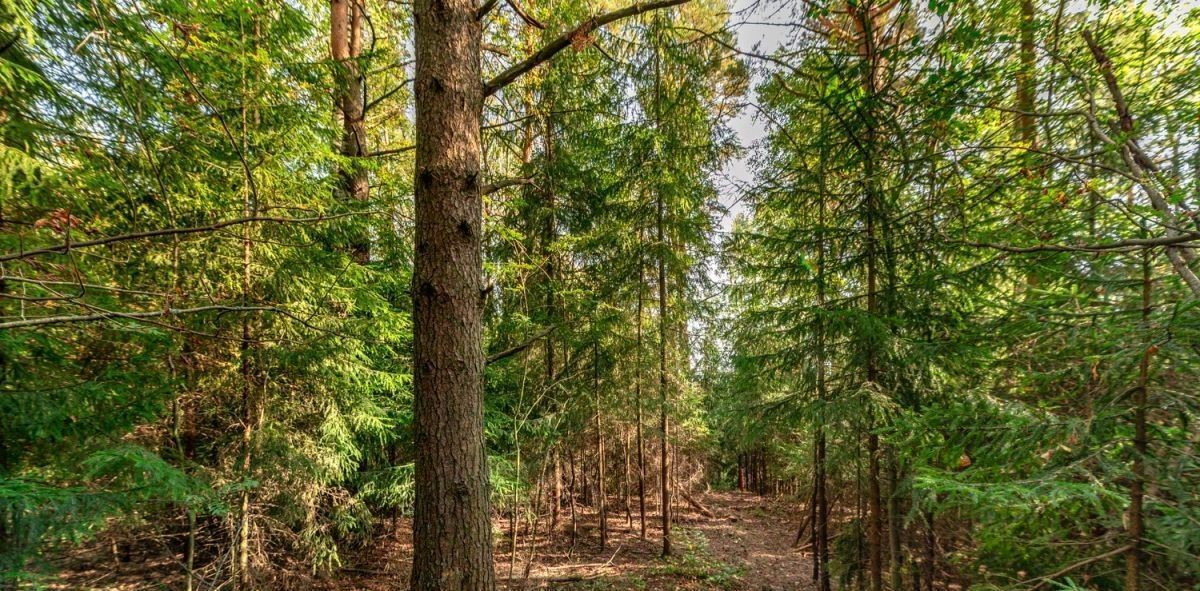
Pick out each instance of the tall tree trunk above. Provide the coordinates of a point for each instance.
(1136, 527)
(626, 480)
(741, 472)
(641, 442)
(1026, 126)
(663, 421)
(866, 17)
(601, 494)
(556, 491)
(821, 533)
(874, 501)
(514, 521)
(895, 550)
(571, 498)
(452, 540)
(345, 40)
(251, 407)
(929, 565)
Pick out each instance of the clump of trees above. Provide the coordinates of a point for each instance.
(963, 298)
(273, 275)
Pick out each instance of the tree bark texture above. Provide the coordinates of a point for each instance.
(451, 530)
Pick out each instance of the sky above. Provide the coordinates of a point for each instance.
(751, 22)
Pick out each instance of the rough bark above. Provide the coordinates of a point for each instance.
(452, 537)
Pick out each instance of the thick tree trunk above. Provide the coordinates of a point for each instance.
(452, 540)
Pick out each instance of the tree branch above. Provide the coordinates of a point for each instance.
(563, 41)
(494, 357)
(525, 16)
(504, 184)
(386, 95)
(1115, 246)
(1079, 565)
(65, 247)
(392, 151)
(484, 9)
(28, 322)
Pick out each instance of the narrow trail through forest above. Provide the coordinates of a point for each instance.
(757, 532)
(746, 545)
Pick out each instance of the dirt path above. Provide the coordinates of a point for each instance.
(756, 534)
(744, 546)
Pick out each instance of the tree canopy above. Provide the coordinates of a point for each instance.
(279, 280)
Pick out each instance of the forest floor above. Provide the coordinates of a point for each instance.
(746, 545)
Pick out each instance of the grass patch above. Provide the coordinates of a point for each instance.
(692, 560)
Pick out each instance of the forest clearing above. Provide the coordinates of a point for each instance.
(756, 295)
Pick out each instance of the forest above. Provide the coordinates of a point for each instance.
(756, 295)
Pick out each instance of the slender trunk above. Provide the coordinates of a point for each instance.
(859, 511)
(663, 421)
(556, 492)
(895, 551)
(514, 522)
(452, 540)
(821, 539)
(866, 22)
(571, 492)
(251, 415)
(626, 481)
(346, 20)
(533, 535)
(1136, 528)
(600, 492)
(741, 472)
(641, 443)
(929, 565)
(1026, 127)
(190, 555)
